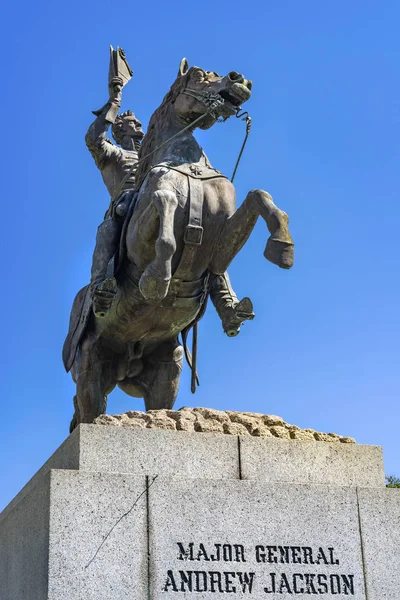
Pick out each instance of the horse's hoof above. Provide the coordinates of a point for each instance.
(153, 288)
(280, 253)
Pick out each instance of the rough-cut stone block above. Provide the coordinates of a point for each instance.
(208, 425)
(235, 429)
(299, 462)
(185, 424)
(208, 419)
(380, 528)
(263, 431)
(249, 421)
(273, 420)
(301, 435)
(251, 537)
(280, 432)
(163, 422)
(210, 413)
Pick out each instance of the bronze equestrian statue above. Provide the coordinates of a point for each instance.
(170, 233)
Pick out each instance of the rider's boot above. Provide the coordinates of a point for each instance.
(104, 289)
(236, 315)
(231, 312)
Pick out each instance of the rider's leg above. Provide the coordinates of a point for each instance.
(231, 312)
(107, 239)
(104, 289)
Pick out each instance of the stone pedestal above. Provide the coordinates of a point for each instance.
(119, 513)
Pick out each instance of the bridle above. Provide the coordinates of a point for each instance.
(211, 101)
(214, 101)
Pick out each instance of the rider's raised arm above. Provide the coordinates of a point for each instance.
(101, 148)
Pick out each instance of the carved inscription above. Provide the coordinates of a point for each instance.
(266, 575)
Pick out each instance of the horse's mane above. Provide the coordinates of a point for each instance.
(157, 122)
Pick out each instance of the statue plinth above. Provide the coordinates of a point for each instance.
(122, 512)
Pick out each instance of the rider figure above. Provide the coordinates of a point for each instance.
(114, 163)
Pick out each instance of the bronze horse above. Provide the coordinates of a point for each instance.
(183, 226)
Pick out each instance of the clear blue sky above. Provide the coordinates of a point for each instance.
(323, 349)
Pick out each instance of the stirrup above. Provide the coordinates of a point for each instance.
(103, 297)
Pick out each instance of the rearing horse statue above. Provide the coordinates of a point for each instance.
(183, 226)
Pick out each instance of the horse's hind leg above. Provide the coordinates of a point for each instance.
(94, 381)
(238, 227)
(155, 280)
(162, 372)
(158, 382)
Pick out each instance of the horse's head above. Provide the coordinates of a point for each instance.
(196, 89)
(190, 97)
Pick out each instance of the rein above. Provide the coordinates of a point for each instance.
(214, 100)
(245, 117)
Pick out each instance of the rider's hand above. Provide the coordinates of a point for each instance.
(115, 87)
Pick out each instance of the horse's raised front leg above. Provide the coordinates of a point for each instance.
(155, 280)
(238, 227)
